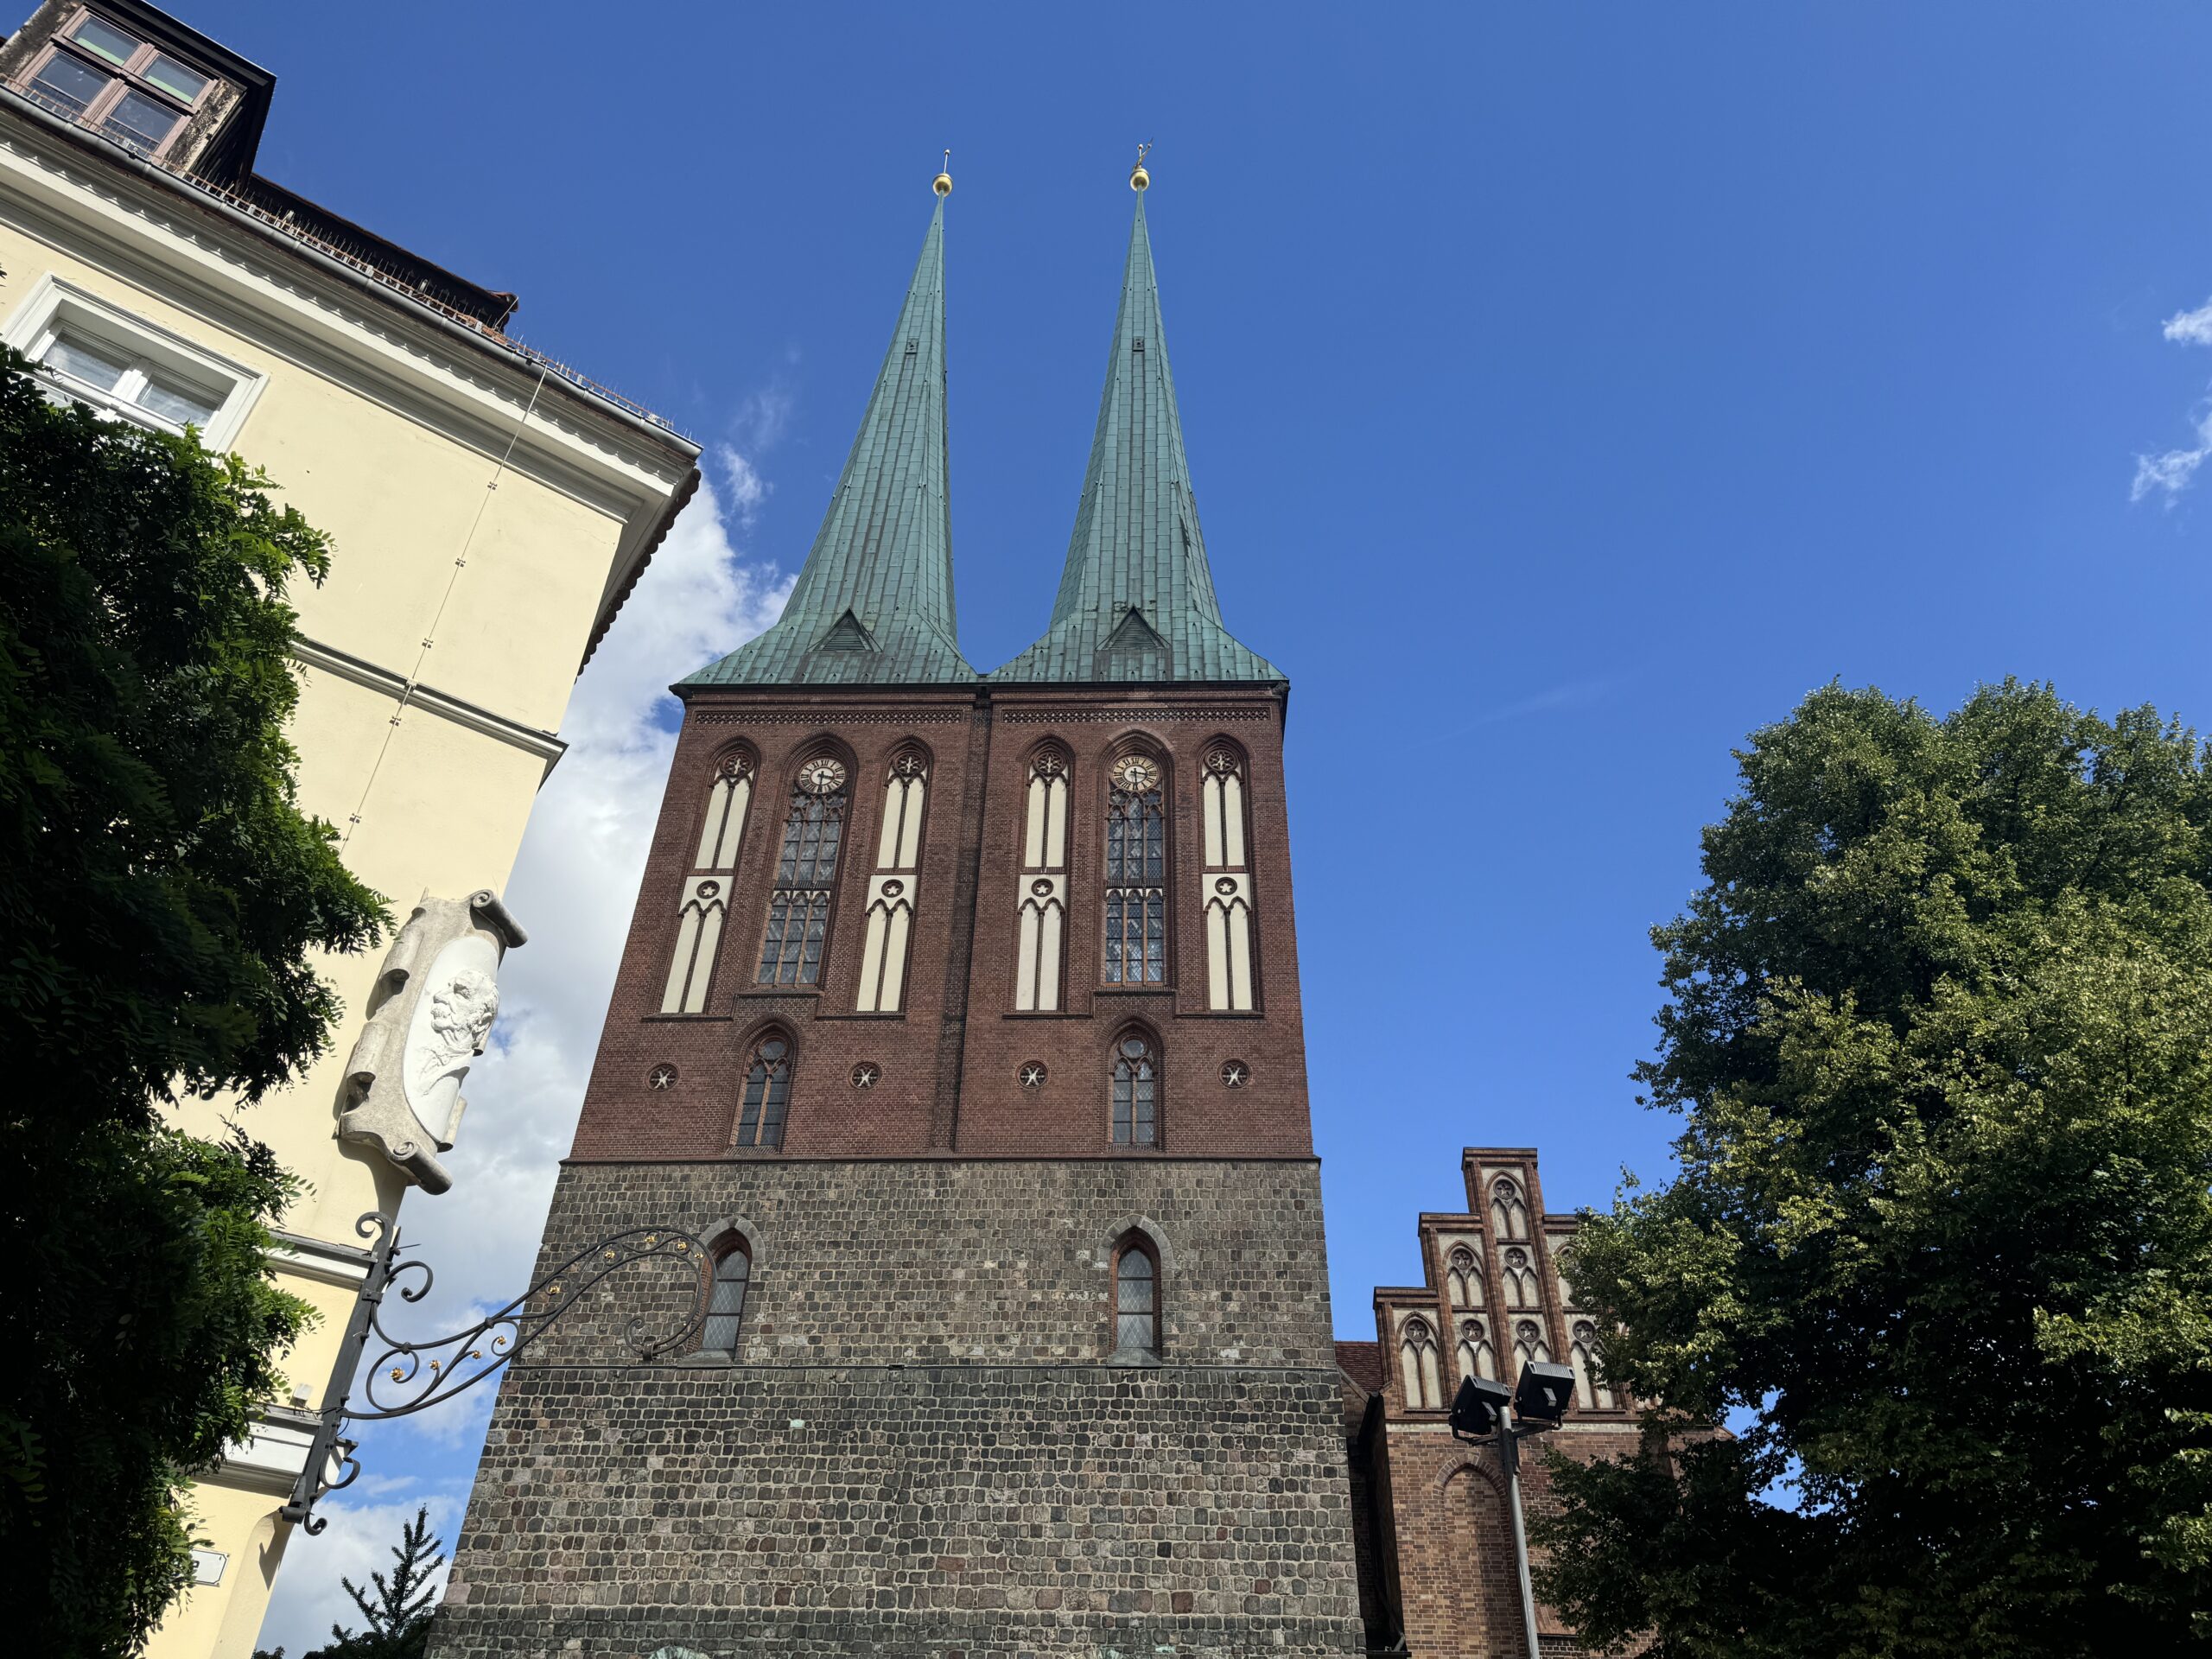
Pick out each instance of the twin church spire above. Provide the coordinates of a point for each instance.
(874, 604)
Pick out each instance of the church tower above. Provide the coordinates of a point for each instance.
(959, 1015)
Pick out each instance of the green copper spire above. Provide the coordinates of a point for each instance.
(1136, 599)
(874, 604)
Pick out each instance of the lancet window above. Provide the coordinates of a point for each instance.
(1136, 1298)
(1476, 1357)
(1582, 1353)
(1226, 882)
(806, 873)
(703, 906)
(726, 1304)
(1508, 1208)
(1044, 898)
(1463, 1278)
(1529, 1343)
(1417, 1366)
(1136, 873)
(1136, 1091)
(1520, 1280)
(767, 1093)
(894, 887)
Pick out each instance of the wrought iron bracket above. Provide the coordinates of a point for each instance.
(411, 1377)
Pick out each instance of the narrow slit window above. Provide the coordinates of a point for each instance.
(725, 1303)
(767, 1094)
(1136, 1092)
(1136, 1301)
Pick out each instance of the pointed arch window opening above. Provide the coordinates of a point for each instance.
(1136, 1091)
(1136, 875)
(1042, 904)
(1590, 1392)
(1509, 1210)
(1136, 1299)
(703, 907)
(1463, 1278)
(1529, 1343)
(1476, 1355)
(806, 871)
(895, 887)
(1520, 1280)
(1417, 1367)
(1225, 889)
(767, 1097)
(726, 1305)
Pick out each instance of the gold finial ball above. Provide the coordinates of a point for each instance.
(943, 185)
(1139, 179)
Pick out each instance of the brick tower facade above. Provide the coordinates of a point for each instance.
(960, 1015)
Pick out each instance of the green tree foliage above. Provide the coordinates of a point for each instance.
(397, 1619)
(160, 894)
(1940, 1249)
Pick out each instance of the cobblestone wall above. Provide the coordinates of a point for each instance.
(915, 1261)
(920, 1449)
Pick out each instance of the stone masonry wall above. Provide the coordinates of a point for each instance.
(921, 1260)
(973, 1509)
(920, 1449)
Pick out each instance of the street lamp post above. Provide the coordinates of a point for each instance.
(1484, 1413)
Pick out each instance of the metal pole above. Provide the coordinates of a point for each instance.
(332, 1422)
(1509, 1458)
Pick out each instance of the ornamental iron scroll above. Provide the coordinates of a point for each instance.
(411, 1377)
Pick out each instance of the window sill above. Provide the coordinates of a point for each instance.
(1134, 990)
(681, 1018)
(757, 992)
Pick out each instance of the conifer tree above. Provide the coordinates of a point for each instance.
(398, 1617)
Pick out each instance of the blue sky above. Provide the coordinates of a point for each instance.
(1568, 390)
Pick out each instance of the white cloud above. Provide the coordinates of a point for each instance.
(572, 889)
(2174, 471)
(2192, 328)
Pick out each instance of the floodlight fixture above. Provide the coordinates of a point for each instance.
(1544, 1392)
(1479, 1407)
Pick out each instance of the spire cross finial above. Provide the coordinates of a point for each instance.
(943, 183)
(1138, 177)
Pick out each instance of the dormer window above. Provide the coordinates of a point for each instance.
(109, 78)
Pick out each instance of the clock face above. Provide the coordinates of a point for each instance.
(823, 777)
(1137, 774)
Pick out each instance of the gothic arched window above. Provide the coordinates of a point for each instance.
(1043, 903)
(1417, 1367)
(1529, 1343)
(767, 1093)
(1136, 1298)
(893, 889)
(726, 1305)
(1508, 1208)
(1520, 1280)
(1136, 1091)
(704, 903)
(1136, 873)
(1226, 899)
(1582, 1353)
(806, 873)
(1477, 1356)
(1463, 1278)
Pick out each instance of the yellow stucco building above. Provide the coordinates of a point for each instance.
(491, 509)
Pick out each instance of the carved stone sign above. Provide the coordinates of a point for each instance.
(434, 1002)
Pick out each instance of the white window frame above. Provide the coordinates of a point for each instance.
(58, 306)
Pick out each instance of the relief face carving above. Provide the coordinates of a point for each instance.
(439, 993)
